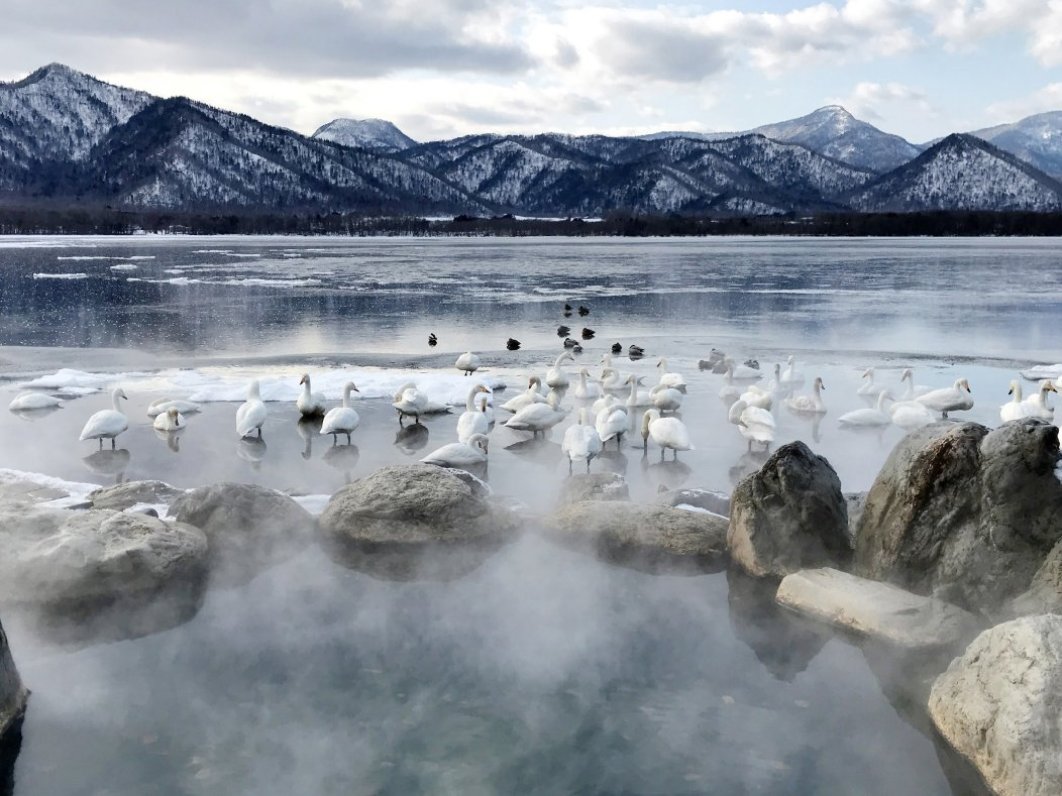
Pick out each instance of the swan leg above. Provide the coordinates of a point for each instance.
(348, 437)
(101, 442)
(569, 465)
(661, 454)
(113, 446)
(588, 465)
(259, 432)
(750, 446)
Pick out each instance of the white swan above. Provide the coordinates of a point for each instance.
(913, 390)
(537, 417)
(170, 420)
(867, 416)
(791, 377)
(742, 372)
(29, 401)
(1014, 409)
(911, 414)
(342, 419)
(637, 398)
(581, 442)
(673, 380)
(949, 399)
(107, 423)
(606, 401)
(808, 404)
(460, 454)
(666, 399)
(310, 404)
(556, 377)
(586, 390)
(1036, 404)
(485, 404)
(252, 413)
(753, 423)
(868, 387)
(666, 432)
(410, 401)
(533, 395)
(729, 392)
(611, 423)
(468, 362)
(611, 379)
(473, 420)
(163, 405)
(755, 397)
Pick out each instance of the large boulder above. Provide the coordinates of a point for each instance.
(643, 536)
(1000, 705)
(126, 495)
(791, 515)
(249, 528)
(709, 500)
(12, 693)
(594, 486)
(88, 575)
(1044, 595)
(879, 611)
(415, 521)
(966, 514)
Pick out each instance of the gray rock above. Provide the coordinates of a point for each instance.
(89, 575)
(880, 611)
(856, 502)
(651, 537)
(715, 502)
(12, 693)
(789, 516)
(594, 486)
(249, 528)
(123, 496)
(1000, 705)
(415, 521)
(1044, 595)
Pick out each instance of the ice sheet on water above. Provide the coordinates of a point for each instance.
(77, 275)
(315, 504)
(71, 381)
(1042, 372)
(125, 267)
(77, 258)
(77, 491)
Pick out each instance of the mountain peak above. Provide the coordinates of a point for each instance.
(378, 134)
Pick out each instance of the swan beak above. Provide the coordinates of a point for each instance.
(355, 389)
(302, 380)
(1051, 387)
(1010, 391)
(822, 386)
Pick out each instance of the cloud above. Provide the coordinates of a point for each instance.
(866, 100)
(1048, 98)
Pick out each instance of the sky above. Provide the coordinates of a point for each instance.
(443, 68)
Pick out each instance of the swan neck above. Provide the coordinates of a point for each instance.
(346, 396)
(115, 401)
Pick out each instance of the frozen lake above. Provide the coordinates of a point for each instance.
(543, 671)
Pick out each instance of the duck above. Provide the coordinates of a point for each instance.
(808, 404)
(532, 395)
(107, 423)
(637, 398)
(753, 423)
(556, 377)
(588, 334)
(460, 454)
(673, 380)
(1014, 409)
(666, 432)
(742, 372)
(251, 414)
(715, 356)
(1036, 404)
(410, 401)
(957, 397)
(635, 351)
(432, 339)
(28, 401)
(342, 419)
(569, 343)
(586, 390)
(617, 348)
(163, 405)
(310, 404)
(666, 399)
(537, 417)
(913, 390)
(876, 416)
(467, 362)
(791, 377)
(473, 420)
(581, 442)
(868, 387)
(563, 331)
(611, 423)
(583, 311)
(911, 414)
(512, 344)
(170, 420)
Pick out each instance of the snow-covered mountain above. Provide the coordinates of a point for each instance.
(1035, 139)
(961, 173)
(378, 134)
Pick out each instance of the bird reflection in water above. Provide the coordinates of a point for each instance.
(411, 439)
(109, 462)
(252, 450)
(538, 450)
(171, 438)
(33, 415)
(667, 474)
(748, 464)
(309, 428)
(343, 458)
(613, 461)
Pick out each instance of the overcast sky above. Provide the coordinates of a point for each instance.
(441, 68)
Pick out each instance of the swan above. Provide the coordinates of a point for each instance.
(911, 414)
(949, 399)
(666, 399)
(163, 405)
(468, 362)
(667, 432)
(485, 404)
(533, 395)
(473, 420)
(673, 380)
(581, 442)
(756, 397)
(252, 413)
(107, 423)
(808, 404)
(606, 401)
(742, 372)
(33, 400)
(754, 424)
(867, 416)
(729, 392)
(1036, 404)
(556, 378)
(341, 419)
(1014, 409)
(611, 423)
(537, 417)
(791, 377)
(310, 404)
(637, 398)
(869, 387)
(410, 401)
(586, 391)
(170, 420)
(611, 379)
(460, 454)
(913, 390)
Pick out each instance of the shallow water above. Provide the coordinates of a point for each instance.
(543, 670)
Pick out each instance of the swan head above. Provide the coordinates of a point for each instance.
(175, 416)
(963, 384)
(119, 393)
(305, 379)
(1047, 386)
(252, 389)
(649, 416)
(790, 360)
(534, 383)
(662, 364)
(1014, 387)
(907, 375)
(818, 383)
(480, 441)
(868, 373)
(351, 386)
(409, 385)
(777, 371)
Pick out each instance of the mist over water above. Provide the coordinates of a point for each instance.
(542, 670)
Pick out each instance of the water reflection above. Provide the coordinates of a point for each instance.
(538, 450)
(749, 463)
(252, 450)
(663, 475)
(309, 429)
(171, 438)
(411, 439)
(109, 462)
(33, 415)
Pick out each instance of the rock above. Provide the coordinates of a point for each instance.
(652, 537)
(963, 513)
(415, 521)
(1044, 595)
(877, 610)
(123, 496)
(1000, 705)
(855, 502)
(715, 502)
(594, 486)
(249, 528)
(789, 516)
(12, 693)
(89, 575)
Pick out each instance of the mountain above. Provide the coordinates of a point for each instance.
(1035, 139)
(377, 134)
(961, 172)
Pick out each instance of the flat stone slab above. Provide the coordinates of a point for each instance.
(874, 609)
